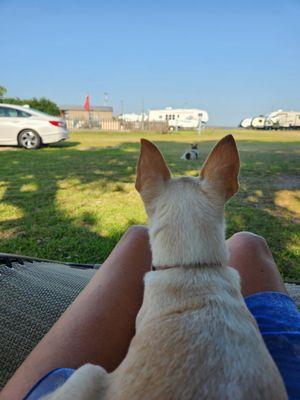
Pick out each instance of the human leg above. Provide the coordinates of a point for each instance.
(99, 325)
(251, 256)
(276, 314)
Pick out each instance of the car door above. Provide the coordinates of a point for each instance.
(11, 123)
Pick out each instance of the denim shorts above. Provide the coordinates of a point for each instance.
(279, 322)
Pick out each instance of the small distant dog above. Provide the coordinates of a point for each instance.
(195, 338)
(191, 154)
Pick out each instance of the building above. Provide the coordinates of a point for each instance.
(99, 117)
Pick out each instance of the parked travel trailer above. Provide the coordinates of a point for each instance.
(284, 119)
(179, 118)
(258, 122)
(275, 120)
(246, 123)
(132, 117)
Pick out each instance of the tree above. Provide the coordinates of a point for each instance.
(45, 105)
(2, 91)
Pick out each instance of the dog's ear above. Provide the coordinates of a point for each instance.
(151, 167)
(221, 168)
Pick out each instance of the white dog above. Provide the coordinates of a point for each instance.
(195, 338)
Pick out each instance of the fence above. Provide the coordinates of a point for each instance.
(145, 126)
(104, 125)
(116, 125)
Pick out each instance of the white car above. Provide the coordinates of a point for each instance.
(29, 128)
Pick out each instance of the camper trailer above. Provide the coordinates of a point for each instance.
(259, 122)
(275, 120)
(283, 120)
(246, 123)
(179, 118)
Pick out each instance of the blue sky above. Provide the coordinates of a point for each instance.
(233, 58)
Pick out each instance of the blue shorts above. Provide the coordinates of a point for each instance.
(279, 322)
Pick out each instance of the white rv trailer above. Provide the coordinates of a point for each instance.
(275, 120)
(283, 119)
(132, 117)
(258, 122)
(179, 118)
(246, 123)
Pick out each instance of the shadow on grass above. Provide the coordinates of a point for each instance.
(30, 181)
(63, 144)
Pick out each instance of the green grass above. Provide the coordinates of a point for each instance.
(74, 200)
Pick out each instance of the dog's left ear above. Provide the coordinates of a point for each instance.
(221, 168)
(152, 167)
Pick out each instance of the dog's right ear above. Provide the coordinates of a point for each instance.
(221, 168)
(152, 167)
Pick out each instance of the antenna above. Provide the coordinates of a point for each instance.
(105, 98)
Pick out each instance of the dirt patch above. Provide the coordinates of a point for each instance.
(6, 148)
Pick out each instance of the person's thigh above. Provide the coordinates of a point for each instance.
(251, 256)
(98, 327)
(276, 314)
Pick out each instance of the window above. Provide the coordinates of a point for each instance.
(23, 114)
(173, 116)
(13, 113)
(2, 112)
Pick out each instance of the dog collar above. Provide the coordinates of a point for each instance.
(164, 267)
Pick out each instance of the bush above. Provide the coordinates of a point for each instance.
(42, 104)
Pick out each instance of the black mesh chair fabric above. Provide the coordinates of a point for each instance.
(33, 295)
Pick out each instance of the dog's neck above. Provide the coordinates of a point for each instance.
(175, 246)
(164, 267)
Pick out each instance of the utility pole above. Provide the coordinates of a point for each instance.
(199, 126)
(143, 115)
(105, 98)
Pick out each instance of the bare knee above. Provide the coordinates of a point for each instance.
(249, 243)
(250, 255)
(137, 235)
(137, 232)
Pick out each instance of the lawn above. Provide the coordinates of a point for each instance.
(74, 200)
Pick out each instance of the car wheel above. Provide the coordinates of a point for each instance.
(29, 139)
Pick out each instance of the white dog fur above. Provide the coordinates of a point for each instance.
(195, 338)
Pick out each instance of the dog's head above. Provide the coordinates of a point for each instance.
(218, 177)
(183, 207)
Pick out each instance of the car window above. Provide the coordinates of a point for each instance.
(23, 114)
(2, 112)
(12, 112)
